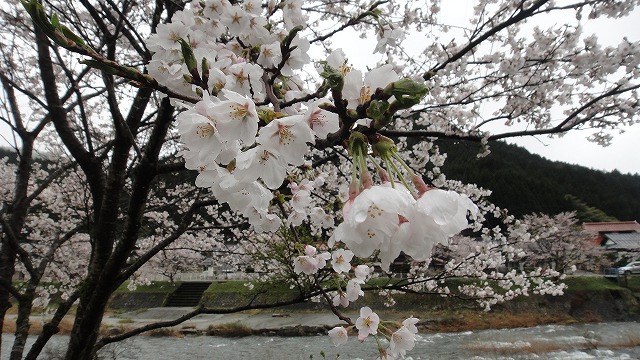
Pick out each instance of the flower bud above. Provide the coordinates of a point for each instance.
(268, 115)
(366, 179)
(383, 146)
(377, 109)
(189, 57)
(333, 77)
(384, 175)
(407, 92)
(406, 87)
(205, 71)
(358, 143)
(420, 185)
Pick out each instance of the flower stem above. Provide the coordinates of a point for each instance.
(384, 174)
(404, 164)
(404, 182)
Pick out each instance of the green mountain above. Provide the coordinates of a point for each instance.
(525, 183)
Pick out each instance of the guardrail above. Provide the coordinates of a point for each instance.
(611, 273)
(203, 276)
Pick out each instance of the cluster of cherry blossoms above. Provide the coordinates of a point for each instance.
(391, 221)
(354, 277)
(368, 323)
(241, 151)
(224, 130)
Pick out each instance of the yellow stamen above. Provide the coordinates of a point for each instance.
(286, 137)
(204, 130)
(365, 94)
(238, 111)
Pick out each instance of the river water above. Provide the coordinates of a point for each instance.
(585, 341)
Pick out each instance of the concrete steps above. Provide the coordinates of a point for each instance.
(187, 294)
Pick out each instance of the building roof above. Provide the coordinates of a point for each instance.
(612, 227)
(624, 241)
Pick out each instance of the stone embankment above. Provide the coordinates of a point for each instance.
(436, 314)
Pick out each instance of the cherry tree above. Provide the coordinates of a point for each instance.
(309, 167)
(561, 242)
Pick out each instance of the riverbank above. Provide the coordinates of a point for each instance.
(293, 322)
(301, 323)
(588, 300)
(608, 303)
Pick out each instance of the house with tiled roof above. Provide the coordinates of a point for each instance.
(616, 236)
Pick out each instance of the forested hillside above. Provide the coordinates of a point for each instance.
(524, 183)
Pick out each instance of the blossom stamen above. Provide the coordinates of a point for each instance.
(204, 130)
(284, 134)
(365, 94)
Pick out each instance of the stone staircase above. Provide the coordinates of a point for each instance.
(188, 294)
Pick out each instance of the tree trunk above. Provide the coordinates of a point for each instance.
(17, 212)
(7, 269)
(25, 306)
(51, 328)
(104, 272)
(86, 327)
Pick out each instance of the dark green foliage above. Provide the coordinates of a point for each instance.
(526, 183)
(10, 154)
(588, 213)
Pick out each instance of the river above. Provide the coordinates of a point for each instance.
(584, 341)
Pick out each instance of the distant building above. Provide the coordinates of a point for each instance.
(616, 236)
(622, 242)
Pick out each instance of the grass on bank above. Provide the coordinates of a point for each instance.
(574, 283)
(590, 283)
(274, 292)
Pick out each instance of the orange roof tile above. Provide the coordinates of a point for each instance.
(614, 226)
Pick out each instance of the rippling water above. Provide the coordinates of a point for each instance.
(590, 341)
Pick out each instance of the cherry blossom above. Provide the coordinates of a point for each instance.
(321, 218)
(401, 341)
(311, 262)
(367, 323)
(354, 290)
(305, 264)
(338, 335)
(340, 260)
(238, 118)
(270, 55)
(321, 122)
(341, 299)
(287, 137)
(358, 91)
(410, 324)
(259, 162)
(372, 219)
